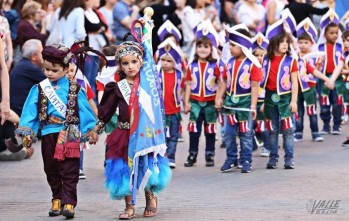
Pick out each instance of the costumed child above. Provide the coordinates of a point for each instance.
(240, 86)
(108, 74)
(135, 156)
(307, 74)
(281, 89)
(171, 77)
(201, 84)
(60, 109)
(259, 49)
(343, 68)
(330, 43)
(168, 30)
(76, 75)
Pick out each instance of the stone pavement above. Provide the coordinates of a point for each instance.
(321, 178)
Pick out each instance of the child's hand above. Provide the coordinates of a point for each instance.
(187, 108)
(253, 112)
(293, 107)
(27, 141)
(262, 108)
(93, 137)
(329, 84)
(219, 104)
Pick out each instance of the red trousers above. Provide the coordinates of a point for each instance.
(62, 176)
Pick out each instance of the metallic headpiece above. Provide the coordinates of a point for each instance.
(129, 48)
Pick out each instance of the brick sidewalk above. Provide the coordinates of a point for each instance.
(197, 193)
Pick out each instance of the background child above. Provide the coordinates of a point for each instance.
(306, 33)
(201, 85)
(281, 93)
(343, 68)
(79, 78)
(259, 49)
(329, 43)
(171, 78)
(49, 104)
(240, 87)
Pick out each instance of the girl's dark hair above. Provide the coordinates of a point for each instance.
(109, 50)
(274, 44)
(204, 40)
(191, 3)
(305, 36)
(68, 6)
(331, 25)
(345, 34)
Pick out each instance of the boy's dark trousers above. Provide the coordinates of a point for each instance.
(62, 176)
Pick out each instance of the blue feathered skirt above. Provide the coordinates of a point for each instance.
(118, 173)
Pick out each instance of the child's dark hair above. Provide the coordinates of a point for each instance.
(244, 32)
(305, 36)
(168, 35)
(109, 50)
(274, 44)
(204, 40)
(345, 34)
(331, 25)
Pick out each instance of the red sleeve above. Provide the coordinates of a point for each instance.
(310, 68)
(256, 73)
(217, 73)
(188, 76)
(294, 66)
(90, 94)
(100, 86)
(341, 58)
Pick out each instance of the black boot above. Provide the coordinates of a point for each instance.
(12, 146)
(209, 160)
(191, 160)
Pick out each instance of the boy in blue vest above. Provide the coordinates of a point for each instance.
(171, 76)
(239, 89)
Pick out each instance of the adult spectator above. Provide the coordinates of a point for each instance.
(274, 9)
(161, 14)
(252, 15)
(124, 13)
(71, 21)
(25, 74)
(27, 29)
(177, 16)
(226, 15)
(7, 41)
(107, 11)
(96, 36)
(321, 4)
(4, 84)
(301, 10)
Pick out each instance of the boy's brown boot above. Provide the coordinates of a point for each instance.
(56, 208)
(68, 211)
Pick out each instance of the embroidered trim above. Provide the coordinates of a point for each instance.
(124, 125)
(25, 131)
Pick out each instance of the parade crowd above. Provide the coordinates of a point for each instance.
(72, 70)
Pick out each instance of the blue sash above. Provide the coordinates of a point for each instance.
(337, 52)
(242, 84)
(203, 78)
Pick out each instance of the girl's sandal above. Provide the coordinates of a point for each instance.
(150, 211)
(126, 215)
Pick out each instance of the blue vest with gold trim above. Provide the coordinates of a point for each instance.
(283, 75)
(337, 53)
(176, 88)
(203, 78)
(242, 85)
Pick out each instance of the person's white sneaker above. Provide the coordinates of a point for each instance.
(265, 152)
(82, 176)
(172, 165)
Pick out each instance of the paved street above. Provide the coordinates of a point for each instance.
(319, 182)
